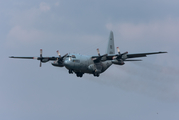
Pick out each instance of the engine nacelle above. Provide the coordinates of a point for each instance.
(44, 60)
(118, 62)
(57, 64)
(124, 56)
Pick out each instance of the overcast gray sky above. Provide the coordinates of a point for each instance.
(147, 90)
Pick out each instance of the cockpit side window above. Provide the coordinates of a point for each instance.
(68, 57)
(73, 56)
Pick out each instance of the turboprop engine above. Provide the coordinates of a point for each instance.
(118, 60)
(58, 64)
(59, 61)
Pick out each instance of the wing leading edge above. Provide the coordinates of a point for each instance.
(38, 58)
(142, 54)
(127, 56)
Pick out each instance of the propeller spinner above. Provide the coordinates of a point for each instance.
(41, 58)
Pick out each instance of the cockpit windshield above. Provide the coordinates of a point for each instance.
(73, 56)
(69, 57)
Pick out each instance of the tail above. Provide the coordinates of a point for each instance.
(110, 47)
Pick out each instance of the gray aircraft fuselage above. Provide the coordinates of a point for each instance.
(83, 64)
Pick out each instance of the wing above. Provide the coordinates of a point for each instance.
(122, 56)
(125, 55)
(38, 58)
(22, 57)
(44, 59)
(142, 54)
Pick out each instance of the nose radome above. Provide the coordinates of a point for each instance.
(66, 62)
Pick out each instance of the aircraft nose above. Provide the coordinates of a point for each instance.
(67, 64)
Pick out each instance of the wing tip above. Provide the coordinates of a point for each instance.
(163, 52)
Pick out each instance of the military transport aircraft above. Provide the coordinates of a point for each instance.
(80, 64)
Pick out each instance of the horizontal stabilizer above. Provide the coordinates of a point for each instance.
(133, 60)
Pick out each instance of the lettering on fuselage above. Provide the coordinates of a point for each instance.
(76, 61)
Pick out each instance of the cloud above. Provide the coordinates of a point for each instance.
(165, 30)
(20, 35)
(44, 6)
(28, 26)
(57, 4)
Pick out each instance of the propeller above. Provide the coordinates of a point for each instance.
(60, 58)
(41, 58)
(99, 57)
(120, 56)
(46, 59)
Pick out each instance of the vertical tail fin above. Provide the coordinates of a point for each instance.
(110, 47)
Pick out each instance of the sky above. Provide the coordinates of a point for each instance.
(137, 90)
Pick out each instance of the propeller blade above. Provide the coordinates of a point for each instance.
(40, 52)
(64, 55)
(133, 60)
(121, 55)
(98, 52)
(124, 53)
(60, 58)
(118, 50)
(58, 54)
(40, 63)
